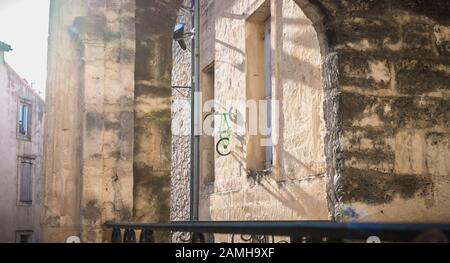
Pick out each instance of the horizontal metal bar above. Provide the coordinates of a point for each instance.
(389, 231)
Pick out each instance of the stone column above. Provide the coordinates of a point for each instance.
(91, 38)
(60, 215)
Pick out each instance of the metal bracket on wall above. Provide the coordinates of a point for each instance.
(179, 88)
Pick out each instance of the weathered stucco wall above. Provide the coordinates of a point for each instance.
(15, 216)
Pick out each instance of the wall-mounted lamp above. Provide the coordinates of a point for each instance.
(179, 35)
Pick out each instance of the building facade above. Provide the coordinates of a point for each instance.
(21, 137)
(361, 132)
(362, 127)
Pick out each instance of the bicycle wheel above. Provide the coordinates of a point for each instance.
(223, 147)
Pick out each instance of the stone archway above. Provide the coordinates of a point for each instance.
(324, 27)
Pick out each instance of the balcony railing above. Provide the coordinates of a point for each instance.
(280, 232)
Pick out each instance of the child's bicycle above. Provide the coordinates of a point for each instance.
(223, 146)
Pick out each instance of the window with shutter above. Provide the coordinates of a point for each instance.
(25, 181)
(24, 236)
(24, 121)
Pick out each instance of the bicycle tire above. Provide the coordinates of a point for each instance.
(218, 147)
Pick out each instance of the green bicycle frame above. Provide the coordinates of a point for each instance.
(225, 130)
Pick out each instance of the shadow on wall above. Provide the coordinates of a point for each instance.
(270, 185)
(280, 191)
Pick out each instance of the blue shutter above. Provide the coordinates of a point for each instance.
(23, 119)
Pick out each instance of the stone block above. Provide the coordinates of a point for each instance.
(417, 37)
(364, 72)
(442, 36)
(410, 152)
(375, 30)
(418, 76)
(438, 153)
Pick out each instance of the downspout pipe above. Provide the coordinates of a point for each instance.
(195, 103)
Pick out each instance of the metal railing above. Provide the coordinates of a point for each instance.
(279, 232)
